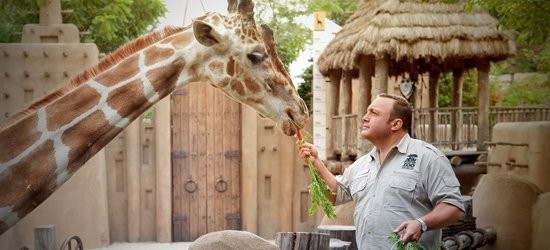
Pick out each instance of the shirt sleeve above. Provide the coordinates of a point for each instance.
(442, 184)
(343, 194)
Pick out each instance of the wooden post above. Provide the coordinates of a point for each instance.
(434, 93)
(333, 99)
(344, 107)
(44, 237)
(364, 98)
(483, 105)
(456, 102)
(302, 241)
(381, 72)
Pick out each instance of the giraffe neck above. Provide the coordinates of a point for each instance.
(41, 151)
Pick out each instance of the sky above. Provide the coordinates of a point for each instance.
(182, 12)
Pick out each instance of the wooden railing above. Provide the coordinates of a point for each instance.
(446, 135)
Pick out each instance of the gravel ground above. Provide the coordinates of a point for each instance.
(147, 246)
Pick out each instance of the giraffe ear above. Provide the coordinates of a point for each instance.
(205, 34)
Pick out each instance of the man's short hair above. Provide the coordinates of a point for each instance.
(401, 109)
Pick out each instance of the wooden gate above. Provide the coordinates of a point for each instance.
(206, 160)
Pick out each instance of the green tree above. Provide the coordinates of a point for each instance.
(337, 10)
(304, 88)
(290, 36)
(529, 19)
(111, 23)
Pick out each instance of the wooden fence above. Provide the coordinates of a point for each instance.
(456, 128)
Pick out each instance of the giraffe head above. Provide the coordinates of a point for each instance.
(243, 63)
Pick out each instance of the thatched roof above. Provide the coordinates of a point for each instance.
(427, 33)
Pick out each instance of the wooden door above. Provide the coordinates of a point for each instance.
(206, 160)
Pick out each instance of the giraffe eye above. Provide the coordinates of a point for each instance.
(256, 57)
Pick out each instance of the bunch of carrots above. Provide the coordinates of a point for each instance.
(318, 189)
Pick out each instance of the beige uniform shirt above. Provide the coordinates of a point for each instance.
(415, 177)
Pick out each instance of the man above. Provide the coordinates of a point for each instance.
(403, 185)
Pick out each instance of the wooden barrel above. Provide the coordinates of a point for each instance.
(302, 241)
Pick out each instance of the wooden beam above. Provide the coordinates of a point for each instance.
(364, 97)
(381, 72)
(333, 99)
(483, 105)
(456, 102)
(433, 97)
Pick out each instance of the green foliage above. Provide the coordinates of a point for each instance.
(318, 190)
(469, 89)
(337, 11)
(111, 22)
(304, 88)
(529, 19)
(393, 238)
(290, 36)
(534, 90)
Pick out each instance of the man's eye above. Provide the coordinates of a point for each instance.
(256, 57)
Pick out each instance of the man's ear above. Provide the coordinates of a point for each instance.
(397, 124)
(205, 34)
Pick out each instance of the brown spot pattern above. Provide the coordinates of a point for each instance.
(164, 78)
(216, 67)
(252, 85)
(127, 98)
(155, 54)
(30, 182)
(16, 139)
(181, 40)
(237, 86)
(127, 68)
(71, 106)
(86, 138)
(231, 66)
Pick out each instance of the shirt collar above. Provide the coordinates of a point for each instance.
(402, 146)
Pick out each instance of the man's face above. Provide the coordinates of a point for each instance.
(376, 124)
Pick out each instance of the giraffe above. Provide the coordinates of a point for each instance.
(43, 146)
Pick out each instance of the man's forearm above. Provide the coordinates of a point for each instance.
(442, 215)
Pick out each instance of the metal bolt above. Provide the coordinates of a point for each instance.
(26, 73)
(25, 54)
(45, 53)
(6, 74)
(65, 74)
(85, 55)
(65, 54)
(46, 74)
(6, 54)
(6, 95)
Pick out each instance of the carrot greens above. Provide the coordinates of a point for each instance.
(318, 189)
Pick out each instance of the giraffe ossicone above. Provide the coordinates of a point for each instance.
(45, 144)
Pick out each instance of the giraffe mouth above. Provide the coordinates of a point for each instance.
(291, 125)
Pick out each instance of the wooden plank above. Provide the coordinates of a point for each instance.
(201, 153)
(234, 166)
(219, 129)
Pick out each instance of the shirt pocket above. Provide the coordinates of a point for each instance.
(357, 185)
(401, 192)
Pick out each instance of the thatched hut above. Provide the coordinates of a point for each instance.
(386, 38)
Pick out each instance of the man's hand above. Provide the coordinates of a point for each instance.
(413, 230)
(308, 150)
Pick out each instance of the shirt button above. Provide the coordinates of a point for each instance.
(368, 232)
